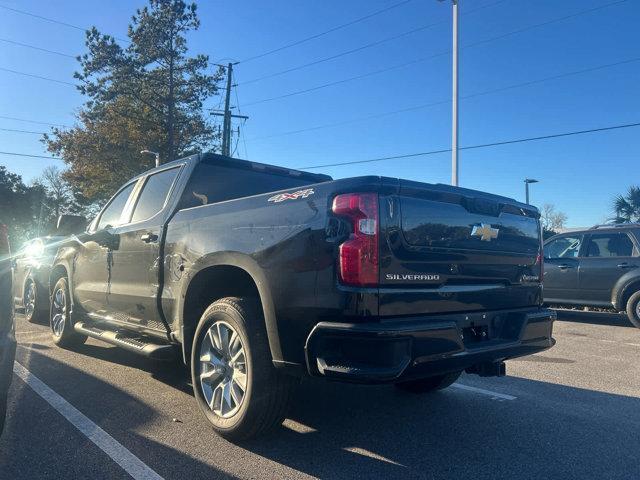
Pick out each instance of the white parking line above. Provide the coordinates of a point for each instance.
(105, 442)
(482, 391)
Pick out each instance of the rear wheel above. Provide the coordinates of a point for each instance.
(633, 309)
(60, 317)
(234, 381)
(430, 384)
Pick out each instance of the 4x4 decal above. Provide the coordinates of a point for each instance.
(281, 197)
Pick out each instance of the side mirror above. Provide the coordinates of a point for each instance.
(70, 224)
(106, 239)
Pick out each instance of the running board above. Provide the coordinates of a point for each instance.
(128, 341)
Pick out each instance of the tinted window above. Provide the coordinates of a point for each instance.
(111, 215)
(215, 183)
(154, 194)
(610, 245)
(565, 247)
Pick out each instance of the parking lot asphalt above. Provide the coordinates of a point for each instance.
(570, 412)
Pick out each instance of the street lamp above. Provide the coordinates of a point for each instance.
(454, 100)
(149, 152)
(527, 181)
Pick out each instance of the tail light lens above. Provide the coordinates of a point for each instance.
(358, 257)
(540, 263)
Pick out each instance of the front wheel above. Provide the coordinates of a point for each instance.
(430, 384)
(31, 301)
(234, 381)
(60, 317)
(633, 309)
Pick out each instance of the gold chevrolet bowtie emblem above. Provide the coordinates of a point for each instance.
(485, 232)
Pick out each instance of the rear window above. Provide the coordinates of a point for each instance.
(215, 183)
(448, 225)
(610, 245)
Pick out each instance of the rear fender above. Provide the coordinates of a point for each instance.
(624, 287)
(249, 265)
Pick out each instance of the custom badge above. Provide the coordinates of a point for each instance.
(281, 197)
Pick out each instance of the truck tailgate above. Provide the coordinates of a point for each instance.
(446, 249)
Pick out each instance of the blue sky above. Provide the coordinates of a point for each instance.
(579, 174)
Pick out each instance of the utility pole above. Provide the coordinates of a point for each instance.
(227, 115)
(454, 99)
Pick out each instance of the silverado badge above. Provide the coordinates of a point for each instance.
(281, 197)
(485, 232)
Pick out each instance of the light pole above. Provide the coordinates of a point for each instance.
(527, 181)
(454, 99)
(149, 152)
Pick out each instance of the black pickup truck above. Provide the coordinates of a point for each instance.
(256, 274)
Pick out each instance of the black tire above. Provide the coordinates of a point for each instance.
(430, 384)
(264, 401)
(60, 319)
(633, 309)
(34, 309)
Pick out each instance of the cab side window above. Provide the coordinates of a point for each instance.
(610, 245)
(564, 247)
(111, 216)
(154, 194)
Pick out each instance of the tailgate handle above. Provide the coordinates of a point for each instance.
(564, 266)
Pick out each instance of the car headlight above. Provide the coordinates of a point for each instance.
(34, 249)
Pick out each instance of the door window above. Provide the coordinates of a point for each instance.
(610, 245)
(564, 247)
(154, 194)
(111, 216)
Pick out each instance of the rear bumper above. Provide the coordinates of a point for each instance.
(400, 349)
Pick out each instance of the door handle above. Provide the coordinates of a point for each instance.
(625, 265)
(149, 237)
(564, 266)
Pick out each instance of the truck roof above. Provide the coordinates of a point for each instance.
(217, 159)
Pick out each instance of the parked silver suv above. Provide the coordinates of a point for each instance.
(599, 267)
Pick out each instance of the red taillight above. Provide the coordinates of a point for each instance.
(358, 262)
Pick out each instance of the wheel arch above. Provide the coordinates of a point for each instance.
(221, 275)
(625, 287)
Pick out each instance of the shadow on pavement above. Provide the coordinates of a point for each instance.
(39, 443)
(345, 431)
(597, 318)
(341, 430)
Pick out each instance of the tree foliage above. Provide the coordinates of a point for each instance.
(24, 208)
(552, 220)
(627, 207)
(146, 95)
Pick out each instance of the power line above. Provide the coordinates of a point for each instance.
(422, 59)
(28, 155)
(331, 30)
(34, 121)
(445, 101)
(363, 47)
(21, 131)
(470, 147)
(51, 20)
(49, 79)
(6, 40)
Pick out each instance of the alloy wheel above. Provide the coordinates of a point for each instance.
(30, 300)
(59, 312)
(223, 369)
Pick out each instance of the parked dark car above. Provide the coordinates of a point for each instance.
(7, 331)
(256, 274)
(32, 267)
(598, 267)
